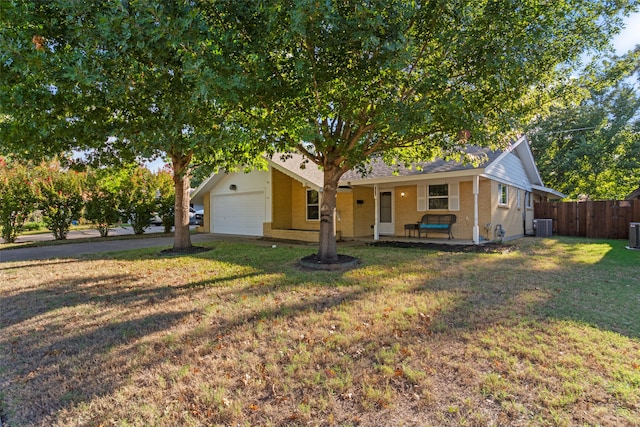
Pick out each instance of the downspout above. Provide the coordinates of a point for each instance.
(376, 194)
(476, 227)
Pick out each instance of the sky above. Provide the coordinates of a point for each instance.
(630, 35)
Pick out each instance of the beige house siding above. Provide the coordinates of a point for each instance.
(299, 208)
(363, 213)
(281, 199)
(206, 220)
(344, 217)
(509, 216)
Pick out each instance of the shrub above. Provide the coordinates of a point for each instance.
(60, 199)
(137, 197)
(165, 203)
(18, 200)
(101, 206)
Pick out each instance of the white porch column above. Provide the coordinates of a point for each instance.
(476, 227)
(376, 231)
(335, 221)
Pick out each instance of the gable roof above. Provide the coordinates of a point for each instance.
(514, 166)
(379, 171)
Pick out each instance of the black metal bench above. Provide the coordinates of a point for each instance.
(436, 223)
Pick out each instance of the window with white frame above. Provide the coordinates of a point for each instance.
(313, 205)
(438, 196)
(503, 195)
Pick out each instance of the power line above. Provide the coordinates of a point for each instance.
(568, 130)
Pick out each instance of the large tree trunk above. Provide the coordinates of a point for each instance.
(181, 181)
(328, 252)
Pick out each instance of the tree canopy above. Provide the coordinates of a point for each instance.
(337, 81)
(342, 81)
(123, 80)
(589, 146)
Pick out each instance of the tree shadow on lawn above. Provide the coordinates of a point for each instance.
(56, 368)
(19, 265)
(70, 341)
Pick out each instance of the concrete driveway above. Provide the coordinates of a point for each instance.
(74, 250)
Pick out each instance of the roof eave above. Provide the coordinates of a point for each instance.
(396, 179)
(551, 191)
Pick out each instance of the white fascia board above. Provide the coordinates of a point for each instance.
(547, 190)
(400, 180)
(523, 151)
(206, 186)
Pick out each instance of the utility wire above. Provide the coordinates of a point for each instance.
(568, 130)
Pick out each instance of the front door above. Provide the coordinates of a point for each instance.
(385, 213)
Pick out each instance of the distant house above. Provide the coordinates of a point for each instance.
(284, 201)
(634, 195)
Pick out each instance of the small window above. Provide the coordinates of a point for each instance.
(313, 205)
(438, 196)
(528, 200)
(518, 201)
(503, 195)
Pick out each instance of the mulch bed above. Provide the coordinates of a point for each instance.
(487, 248)
(344, 262)
(188, 251)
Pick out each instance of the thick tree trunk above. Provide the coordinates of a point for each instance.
(181, 236)
(328, 252)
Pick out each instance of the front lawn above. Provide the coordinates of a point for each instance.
(546, 332)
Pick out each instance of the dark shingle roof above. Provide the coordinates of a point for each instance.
(378, 169)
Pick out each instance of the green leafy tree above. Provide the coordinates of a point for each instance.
(128, 80)
(102, 206)
(342, 81)
(17, 199)
(589, 147)
(137, 197)
(165, 199)
(60, 199)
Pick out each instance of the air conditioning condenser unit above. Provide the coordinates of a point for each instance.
(543, 227)
(634, 235)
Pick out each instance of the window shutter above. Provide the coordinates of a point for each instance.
(454, 196)
(422, 197)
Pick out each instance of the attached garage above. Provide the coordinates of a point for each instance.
(239, 213)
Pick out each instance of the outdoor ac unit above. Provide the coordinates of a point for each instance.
(634, 235)
(543, 227)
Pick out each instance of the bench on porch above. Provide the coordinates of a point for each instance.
(439, 223)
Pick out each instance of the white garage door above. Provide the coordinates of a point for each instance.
(241, 213)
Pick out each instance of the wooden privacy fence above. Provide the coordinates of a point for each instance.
(597, 219)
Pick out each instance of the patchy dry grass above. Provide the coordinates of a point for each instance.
(545, 334)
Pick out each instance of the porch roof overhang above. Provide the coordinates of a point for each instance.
(407, 179)
(549, 192)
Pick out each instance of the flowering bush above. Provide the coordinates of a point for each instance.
(18, 199)
(165, 203)
(137, 197)
(102, 202)
(60, 199)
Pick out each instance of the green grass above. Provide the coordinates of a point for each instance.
(545, 333)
